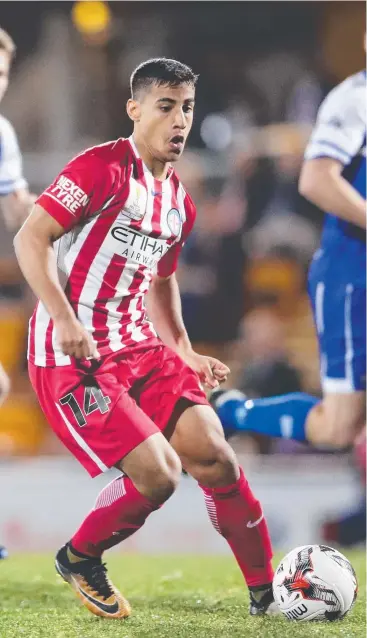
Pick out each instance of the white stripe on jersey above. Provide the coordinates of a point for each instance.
(133, 328)
(181, 194)
(114, 315)
(167, 204)
(349, 351)
(92, 285)
(42, 321)
(146, 225)
(76, 246)
(319, 306)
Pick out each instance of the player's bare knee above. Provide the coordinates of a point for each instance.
(218, 467)
(159, 479)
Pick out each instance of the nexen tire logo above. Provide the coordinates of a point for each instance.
(139, 248)
(69, 194)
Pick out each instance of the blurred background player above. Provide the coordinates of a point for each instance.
(334, 178)
(108, 386)
(15, 199)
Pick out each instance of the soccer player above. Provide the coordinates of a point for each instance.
(334, 178)
(15, 200)
(114, 221)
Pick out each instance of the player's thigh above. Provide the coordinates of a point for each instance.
(339, 310)
(199, 441)
(92, 413)
(169, 383)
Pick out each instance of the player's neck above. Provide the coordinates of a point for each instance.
(158, 169)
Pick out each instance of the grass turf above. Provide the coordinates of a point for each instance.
(172, 597)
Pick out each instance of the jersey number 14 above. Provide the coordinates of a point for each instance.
(93, 400)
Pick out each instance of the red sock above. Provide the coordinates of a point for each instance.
(120, 510)
(237, 515)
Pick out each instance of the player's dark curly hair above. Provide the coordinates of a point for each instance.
(160, 71)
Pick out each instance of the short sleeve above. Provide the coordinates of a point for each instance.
(168, 264)
(11, 169)
(78, 192)
(340, 127)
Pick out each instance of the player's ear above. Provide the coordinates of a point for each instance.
(133, 109)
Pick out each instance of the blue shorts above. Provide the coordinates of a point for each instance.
(339, 306)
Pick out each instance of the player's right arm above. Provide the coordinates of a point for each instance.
(337, 138)
(79, 192)
(34, 250)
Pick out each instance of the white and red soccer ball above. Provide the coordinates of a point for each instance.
(315, 582)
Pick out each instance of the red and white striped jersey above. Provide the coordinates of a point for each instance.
(121, 226)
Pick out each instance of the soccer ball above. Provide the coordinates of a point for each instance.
(315, 582)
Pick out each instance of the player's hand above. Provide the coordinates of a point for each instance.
(74, 339)
(211, 371)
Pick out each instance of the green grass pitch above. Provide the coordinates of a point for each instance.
(172, 597)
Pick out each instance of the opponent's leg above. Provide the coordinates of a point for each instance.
(280, 417)
(332, 422)
(233, 509)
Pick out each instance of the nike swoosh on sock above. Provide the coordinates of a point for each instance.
(255, 523)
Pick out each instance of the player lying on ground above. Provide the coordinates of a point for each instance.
(334, 178)
(15, 199)
(114, 392)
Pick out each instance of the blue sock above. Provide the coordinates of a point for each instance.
(281, 417)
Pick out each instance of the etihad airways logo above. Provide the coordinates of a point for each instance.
(137, 247)
(69, 194)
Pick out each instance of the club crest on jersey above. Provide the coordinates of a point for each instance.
(174, 222)
(135, 205)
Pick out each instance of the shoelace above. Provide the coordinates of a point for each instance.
(98, 579)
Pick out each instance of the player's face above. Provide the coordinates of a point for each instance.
(4, 72)
(163, 119)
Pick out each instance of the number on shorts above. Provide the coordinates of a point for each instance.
(93, 400)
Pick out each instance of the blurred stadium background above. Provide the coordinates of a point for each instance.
(265, 67)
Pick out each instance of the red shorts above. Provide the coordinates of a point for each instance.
(101, 410)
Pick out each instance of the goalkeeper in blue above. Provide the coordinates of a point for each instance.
(333, 177)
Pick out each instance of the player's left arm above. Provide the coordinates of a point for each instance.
(165, 311)
(337, 137)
